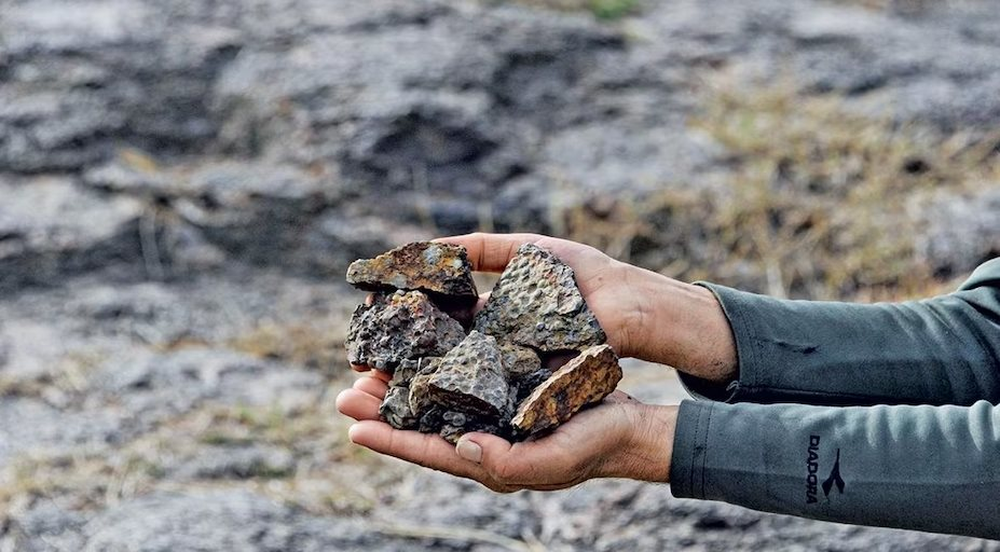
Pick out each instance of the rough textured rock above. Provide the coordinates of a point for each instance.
(523, 368)
(434, 268)
(585, 380)
(400, 326)
(469, 388)
(536, 303)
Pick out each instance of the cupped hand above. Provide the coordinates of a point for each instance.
(620, 437)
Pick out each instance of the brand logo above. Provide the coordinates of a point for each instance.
(812, 466)
(812, 469)
(834, 478)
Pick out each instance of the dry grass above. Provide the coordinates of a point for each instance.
(814, 203)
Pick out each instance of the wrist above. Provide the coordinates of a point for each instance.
(683, 325)
(648, 448)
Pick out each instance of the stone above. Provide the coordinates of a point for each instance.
(583, 381)
(468, 389)
(434, 268)
(400, 326)
(395, 409)
(536, 303)
(523, 369)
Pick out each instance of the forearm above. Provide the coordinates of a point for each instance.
(944, 350)
(913, 467)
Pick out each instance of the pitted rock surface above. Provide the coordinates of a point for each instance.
(434, 268)
(400, 326)
(468, 389)
(585, 380)
(536, 303)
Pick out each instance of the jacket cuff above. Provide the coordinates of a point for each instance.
(687, 465)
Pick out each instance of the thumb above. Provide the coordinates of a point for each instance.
(482, 448)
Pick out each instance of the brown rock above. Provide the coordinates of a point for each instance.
(441, 270)
(585, 380)
(398, 327)
(536, 303)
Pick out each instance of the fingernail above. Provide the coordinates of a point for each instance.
(469, 450)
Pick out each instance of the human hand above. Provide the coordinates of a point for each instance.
(620, 437)
(644, 314)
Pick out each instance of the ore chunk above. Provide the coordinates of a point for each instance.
(523, 369)
(585, 380)
(398, 327)
(395, 409)
(467, 390)
(536, 303)
(436, 268)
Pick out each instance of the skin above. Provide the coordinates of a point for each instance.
(645, 314)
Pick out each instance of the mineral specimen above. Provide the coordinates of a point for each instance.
(523, 368)
(395, 407)
(495, 379)
(468, 387)
(442, 270)
(400, 326)
(536, 303)
(585, 380)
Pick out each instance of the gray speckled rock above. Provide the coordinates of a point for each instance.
(536, 303)
(435, 268)
(523, 368)
(398, 327)
(468, 390)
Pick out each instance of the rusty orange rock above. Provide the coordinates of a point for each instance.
(585, 380)
(441, 270)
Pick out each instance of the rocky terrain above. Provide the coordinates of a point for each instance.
(183, 182)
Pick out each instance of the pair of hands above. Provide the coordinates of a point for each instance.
(621, 437)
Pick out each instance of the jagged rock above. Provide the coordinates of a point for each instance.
(404, 325)
(585, 380)
(395, 408)
(435, 268)
(468, 389)
(536, 303)
(523, 368)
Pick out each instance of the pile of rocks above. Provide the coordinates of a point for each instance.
(497, 378)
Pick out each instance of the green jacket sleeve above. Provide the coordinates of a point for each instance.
(927, 459)
(944, 350)
(928, 468)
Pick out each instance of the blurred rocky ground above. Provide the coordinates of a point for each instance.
(183, 182)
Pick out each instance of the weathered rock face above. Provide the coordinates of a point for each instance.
(536, 303)
(434, 268)
(404, 325)
(585, 380)
(447, 383)
(468, 386)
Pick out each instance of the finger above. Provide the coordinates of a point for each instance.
(371, 385)
(491, 252)
(358, 405)
(428, 450)
(382, 375)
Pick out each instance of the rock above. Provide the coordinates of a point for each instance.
(536, 303)
(469, 388)
(404, 325)
(434, 268)
(585, 380)
(523, 368)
